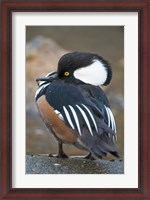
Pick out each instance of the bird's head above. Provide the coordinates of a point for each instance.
(80, 67)
(84, 67)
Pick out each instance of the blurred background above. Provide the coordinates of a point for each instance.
(44, 47)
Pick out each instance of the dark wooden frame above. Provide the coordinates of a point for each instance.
(143, 9)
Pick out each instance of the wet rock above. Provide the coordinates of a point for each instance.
(43, 164)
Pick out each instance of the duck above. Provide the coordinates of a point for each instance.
(74, 106)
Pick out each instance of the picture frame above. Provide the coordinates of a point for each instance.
(7, 8)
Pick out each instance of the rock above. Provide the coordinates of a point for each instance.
(42, 56)
(43, 164)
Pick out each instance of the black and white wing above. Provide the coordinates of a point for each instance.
(86, 113)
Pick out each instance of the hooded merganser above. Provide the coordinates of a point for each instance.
(73, 106)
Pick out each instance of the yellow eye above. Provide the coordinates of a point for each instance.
(66, 73)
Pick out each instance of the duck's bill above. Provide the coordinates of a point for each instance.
(49, 77)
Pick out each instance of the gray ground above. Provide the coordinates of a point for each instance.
(43, 164)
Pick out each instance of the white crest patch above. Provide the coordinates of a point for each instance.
(95, 74)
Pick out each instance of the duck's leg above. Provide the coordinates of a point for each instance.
(89, 156)
(61, 153)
